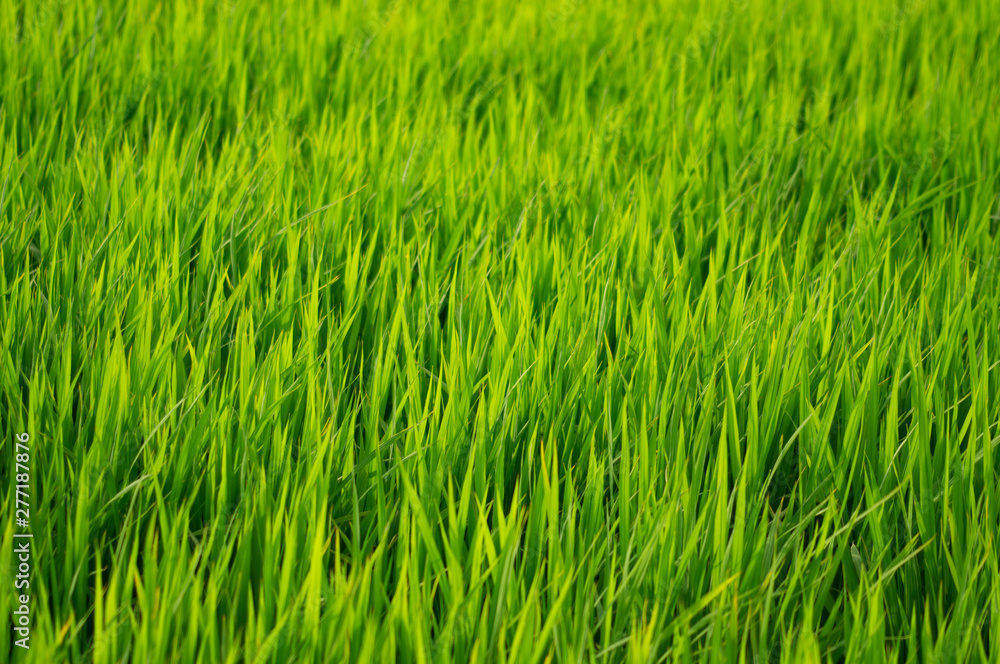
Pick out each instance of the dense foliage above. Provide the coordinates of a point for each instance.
(563, 331)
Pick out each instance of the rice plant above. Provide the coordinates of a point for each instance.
(547, 331)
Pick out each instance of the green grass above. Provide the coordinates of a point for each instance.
(538, 332)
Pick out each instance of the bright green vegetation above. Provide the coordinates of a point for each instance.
(532, 333)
